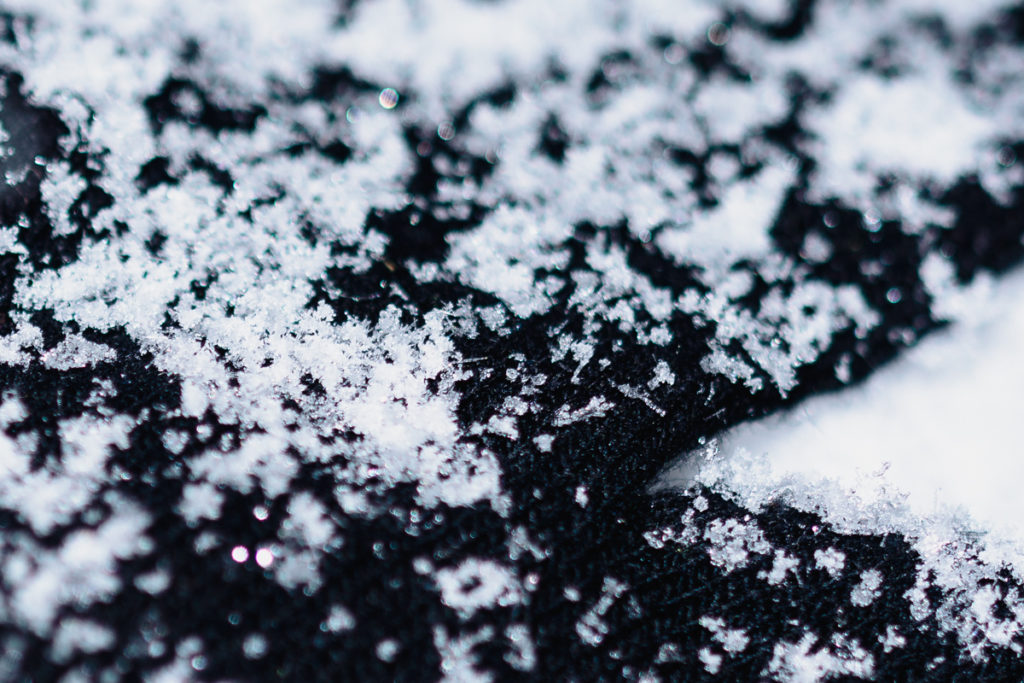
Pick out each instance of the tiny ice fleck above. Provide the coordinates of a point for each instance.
(254, 646)
(388, 98)
(387, 649)
(581, 496)
(446, 131)
(240, 554)
(261, 513)
(731, 640)
(338, 619)
(892, 639)
(264, 557)
(843, 369)
(816, 248)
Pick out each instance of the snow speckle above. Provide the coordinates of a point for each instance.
(477, 584)
(866, 591)
(731, 542)
(808, 661)
(731, 640)
(581, 496)
(830, 560)
(592, 628)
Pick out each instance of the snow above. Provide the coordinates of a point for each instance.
(901, 125)
(926, 447)
(738, 228)
(731, 640)
(79, 572)
(477, 584)
(865, 592)
(830, 560)
(592, 628)
(731, 542)
(931, 436)
(393, 383)
(808, 661)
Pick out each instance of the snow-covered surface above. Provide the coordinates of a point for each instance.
(343, 307)
(929, 446)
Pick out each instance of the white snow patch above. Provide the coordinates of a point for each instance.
(736, 229)
(919, 125)
(477, 584)
(830, 560)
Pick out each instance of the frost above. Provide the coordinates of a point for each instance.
(739, 228)
(80, 572)
(200, 501)
(687, 535)
(581, 496)
(523, 655)
(387, 649)
(60, 189)
(154, 582)
(892, 639)
(77, 352)
(254, 646)
(228, 281)
(458, 663)
(898, 125)
(788, 331)
(307, 534)
(662, 375)
(712, 662)
(816, 248)
(50, 496)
